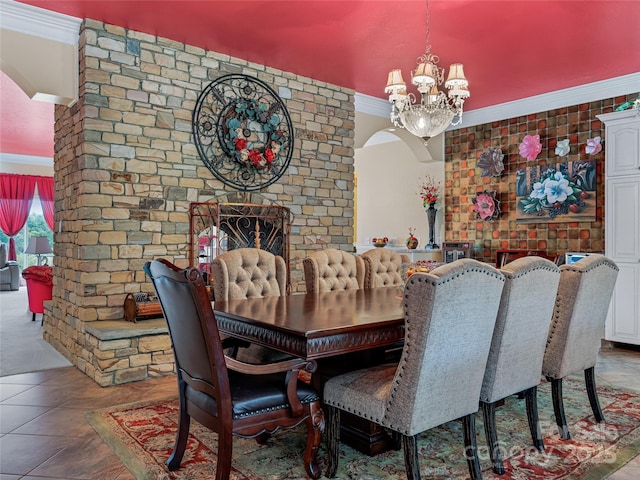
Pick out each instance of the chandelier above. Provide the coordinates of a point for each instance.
(436, 110)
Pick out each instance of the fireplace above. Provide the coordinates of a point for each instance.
(237, 220)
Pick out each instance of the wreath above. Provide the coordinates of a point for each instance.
(252, 137)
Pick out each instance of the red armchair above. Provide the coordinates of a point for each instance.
(39, 287)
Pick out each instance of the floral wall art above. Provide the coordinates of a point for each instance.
(561, 192)
(568, 142)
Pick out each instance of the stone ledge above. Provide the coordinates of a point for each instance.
(118, 329)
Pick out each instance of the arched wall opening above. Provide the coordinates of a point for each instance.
(390, 166)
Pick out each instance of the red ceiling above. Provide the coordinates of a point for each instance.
(510, 49)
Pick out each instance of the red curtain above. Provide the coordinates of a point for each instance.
(16, 194)
(46, 192)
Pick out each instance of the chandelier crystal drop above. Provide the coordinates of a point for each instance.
(435, 110)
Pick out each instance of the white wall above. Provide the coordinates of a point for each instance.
(387, 198)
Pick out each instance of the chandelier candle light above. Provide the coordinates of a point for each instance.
(436, 110)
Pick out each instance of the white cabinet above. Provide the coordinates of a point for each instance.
(622, 143)
(622, 222)
(622, 245)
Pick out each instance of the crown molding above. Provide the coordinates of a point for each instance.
(6, 158)
(372, 105)
(590, 92)
(39, 22)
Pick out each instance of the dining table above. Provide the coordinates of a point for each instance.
(340, 330)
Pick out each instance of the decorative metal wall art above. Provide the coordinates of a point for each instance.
(486, 205)
(243, 132)
(593, 146)
(563, 148)
(491, 162)
(530, 147)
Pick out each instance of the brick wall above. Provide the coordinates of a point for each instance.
(463, 180)
(126, 170)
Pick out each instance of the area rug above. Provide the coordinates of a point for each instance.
(142, 436)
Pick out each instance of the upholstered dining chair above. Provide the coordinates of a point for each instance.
(248, 273)
(382, 268)
(449, 324)
(517, 347)
(575, 333)
(231, 398)
(332, 269)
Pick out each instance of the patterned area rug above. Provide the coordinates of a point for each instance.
(142, 435)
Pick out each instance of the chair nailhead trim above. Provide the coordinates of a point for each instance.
(270, 409)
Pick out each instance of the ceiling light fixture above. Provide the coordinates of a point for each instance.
(436, 110)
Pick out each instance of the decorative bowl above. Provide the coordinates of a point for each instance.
(380, 241)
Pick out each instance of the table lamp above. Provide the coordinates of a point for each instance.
(39, 246)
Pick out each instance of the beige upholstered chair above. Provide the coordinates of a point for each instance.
(247, 273)
(332, 269)
(227, 396)
(517, 348)
(382, 268)
(449, 324)
(576, 329)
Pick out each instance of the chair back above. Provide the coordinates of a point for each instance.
(449, 318)
(331, 269)
(192, 326)
(582, 303)
(520, 333)
(248, 272)
(382, 268)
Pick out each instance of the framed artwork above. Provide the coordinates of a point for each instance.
(557, 193)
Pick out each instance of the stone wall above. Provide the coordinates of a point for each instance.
(463, 180)
(126, 170)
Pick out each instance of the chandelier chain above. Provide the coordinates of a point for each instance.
(427, 56)
(427, 32)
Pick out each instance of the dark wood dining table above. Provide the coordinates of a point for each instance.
(341, 330)
(317, 325)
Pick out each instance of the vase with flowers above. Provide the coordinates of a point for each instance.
(429, 193)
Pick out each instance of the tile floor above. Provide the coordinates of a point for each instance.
(44, 434)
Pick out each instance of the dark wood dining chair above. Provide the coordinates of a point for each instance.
(225, 395)
(449, 318)
(517, 347)
(575, 333)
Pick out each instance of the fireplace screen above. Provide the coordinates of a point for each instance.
(238, 220)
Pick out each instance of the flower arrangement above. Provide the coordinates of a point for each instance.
(251, 125)
(429, 190)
